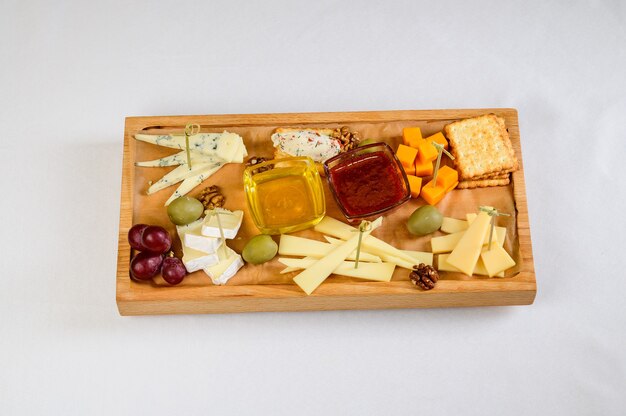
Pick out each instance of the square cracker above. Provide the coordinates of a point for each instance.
(484, 183)
(481, 146)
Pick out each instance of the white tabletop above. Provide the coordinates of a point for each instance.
(71, 71)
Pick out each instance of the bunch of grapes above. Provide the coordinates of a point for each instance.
(153, 242)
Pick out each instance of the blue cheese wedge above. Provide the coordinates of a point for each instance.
(231, 221)
(314, 143)
(194, 239)
(229, 264)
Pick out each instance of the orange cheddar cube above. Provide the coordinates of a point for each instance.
(410, 170)
(432, 194)
(454, 185)
(406, 155)
(415, 184)
(412, 136)
(447, 177)
(423, 168)
(438, 138)
(427, 152)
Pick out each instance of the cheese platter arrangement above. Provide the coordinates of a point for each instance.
(323, 211)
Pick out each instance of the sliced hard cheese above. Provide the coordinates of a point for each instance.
(291, 245)
(496, 259)
(418, 256)
(313, 276)
(371, 244)
(188, 184)
(195, 240)
(452, 225)
(380, 272)
(231, 221)
(179, 174)
(443, 266)
(447, 243)
(467, 251)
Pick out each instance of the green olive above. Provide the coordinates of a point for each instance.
(259, 249)
(424, 220)
(184, 210)
(368, 141)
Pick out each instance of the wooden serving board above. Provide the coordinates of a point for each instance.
(258, 288)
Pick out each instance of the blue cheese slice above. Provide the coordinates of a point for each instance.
(231, 221)
(226, 145)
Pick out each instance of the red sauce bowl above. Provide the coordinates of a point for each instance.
(367, 181)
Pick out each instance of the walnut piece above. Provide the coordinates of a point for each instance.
(348, 139)
(255, 160)
(424, 276)
(211, 197)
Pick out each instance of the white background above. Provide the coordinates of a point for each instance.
(71, 71)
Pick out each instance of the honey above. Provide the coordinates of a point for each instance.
(288, 197)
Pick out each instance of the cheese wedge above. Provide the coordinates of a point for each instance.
(380, 272)
(371, 244)
(195, 240)
(231, 221)
(452, 225)
(291, 245)
(496, 259)
(443, 266)
(466, 253)
(313, 276)
(229, 264)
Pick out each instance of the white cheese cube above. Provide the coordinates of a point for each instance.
(229, 264)
(192, 237)
(194, 260)
(231, 221)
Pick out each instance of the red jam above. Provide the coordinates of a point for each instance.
(367, 183)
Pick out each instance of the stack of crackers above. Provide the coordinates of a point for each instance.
(483, 152)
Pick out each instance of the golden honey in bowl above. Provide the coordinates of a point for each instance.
(286, 198)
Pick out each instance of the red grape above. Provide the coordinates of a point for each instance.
(134, 236)
(156, 239)
(173, 270)
(145, 265)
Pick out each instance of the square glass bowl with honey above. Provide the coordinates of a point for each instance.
(284, 195)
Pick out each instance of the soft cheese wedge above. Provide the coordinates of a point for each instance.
(466, 253)
(194, 239)
(195, 260)
(231, 221)
(380, 272)
(229, 264)
(313, 276)
(226, 146)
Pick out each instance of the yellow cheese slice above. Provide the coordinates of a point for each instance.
(452, 225)
(447, 243)
(466, 253)
(380, 272)
(313, 276)
(496, 259)
(291, 245)
(418, 256)
(371, 244)
(443, 266)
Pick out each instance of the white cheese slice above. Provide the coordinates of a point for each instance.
(291, 245)
(380, 272)
(231, 221)
(467, 251)
(496, 259)
(452, 225)
(313, 276)
(229, 264)
(195, 260)
(188, 184)
(371, 244)
(194, 239)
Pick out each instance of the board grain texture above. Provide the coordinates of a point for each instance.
(135, 298)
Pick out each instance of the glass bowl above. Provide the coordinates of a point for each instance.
(367, 181)
(284, 195)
